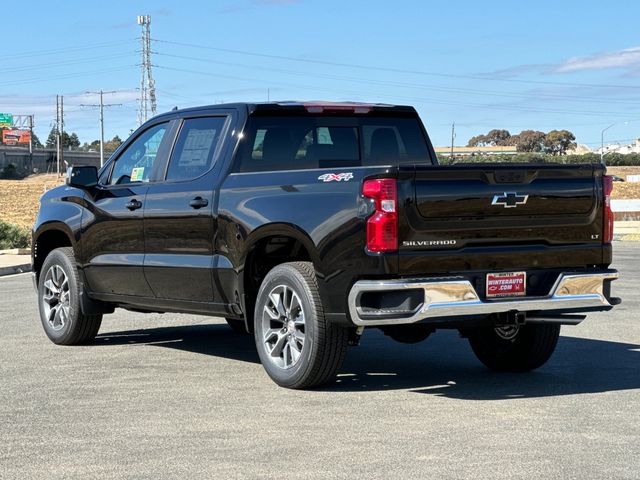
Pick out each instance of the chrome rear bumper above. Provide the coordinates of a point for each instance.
(455, 296)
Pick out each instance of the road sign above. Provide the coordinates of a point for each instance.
(6, 120)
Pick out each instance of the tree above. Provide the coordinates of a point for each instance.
(477, 141)
(557, 142)
(93, 146)
(35, 141)
(71, 141)
(112, 144)
(51, 139)
(498, 137)
(529, 141)
(491, 139)
(68, 140)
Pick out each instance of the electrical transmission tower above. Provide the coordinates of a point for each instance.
(147, 102)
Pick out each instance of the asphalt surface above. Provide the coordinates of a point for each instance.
(176, 396)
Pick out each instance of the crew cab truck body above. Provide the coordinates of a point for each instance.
(305, 223)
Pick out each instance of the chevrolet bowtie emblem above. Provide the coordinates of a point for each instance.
(510, 199)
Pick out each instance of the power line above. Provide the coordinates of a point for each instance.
(412, 98)
(41, 66)
(408, 85)
(65, 76)
(102, 106)
(390, 69)
(44, 53)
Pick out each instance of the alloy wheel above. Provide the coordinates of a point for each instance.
(283, 327)
(55, 298)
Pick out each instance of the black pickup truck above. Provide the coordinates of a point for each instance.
(304, 223)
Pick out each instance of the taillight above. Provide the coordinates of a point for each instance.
(382, 226)
(607, 229)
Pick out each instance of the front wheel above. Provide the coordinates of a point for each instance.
(297, 346)
(514, 348)
(59, 289)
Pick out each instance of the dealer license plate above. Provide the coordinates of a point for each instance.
(506, 284)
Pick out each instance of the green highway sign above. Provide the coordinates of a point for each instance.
(6, 120)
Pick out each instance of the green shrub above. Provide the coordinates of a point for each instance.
(611, 159)
(10, 171)
(13, 236)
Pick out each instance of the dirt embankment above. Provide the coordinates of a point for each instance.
(19, 199)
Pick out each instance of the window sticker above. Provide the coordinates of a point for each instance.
(136, 174)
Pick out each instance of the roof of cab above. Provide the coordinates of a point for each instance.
(297, 106)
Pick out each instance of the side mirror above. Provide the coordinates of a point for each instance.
(82, 176)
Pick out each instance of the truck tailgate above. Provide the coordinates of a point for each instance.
(498, 209)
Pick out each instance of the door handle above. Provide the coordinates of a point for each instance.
(198, 202)
(134, 205)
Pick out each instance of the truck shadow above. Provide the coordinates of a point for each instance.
(206, 339)
(443, 365)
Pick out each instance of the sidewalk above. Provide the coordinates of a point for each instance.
(10, 264)
(627, 231)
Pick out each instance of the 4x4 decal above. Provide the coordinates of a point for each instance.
(336, 177)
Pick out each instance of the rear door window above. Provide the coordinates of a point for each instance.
(196, 148)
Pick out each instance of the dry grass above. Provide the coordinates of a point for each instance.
(625, 189)
(19, 199)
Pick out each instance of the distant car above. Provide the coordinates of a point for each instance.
(616, 178)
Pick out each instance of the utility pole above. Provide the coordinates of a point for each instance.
(58, 134)
(453, 136)
(31, 142)
(147, 101)
(30, 134)
(61, 162)
(101, 106)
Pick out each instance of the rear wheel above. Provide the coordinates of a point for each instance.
(415, 333)
(514, 348)
(59, 289)
(298, 347)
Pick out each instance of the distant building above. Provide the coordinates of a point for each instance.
(470, 151)
(620, 148)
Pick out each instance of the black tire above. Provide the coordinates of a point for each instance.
(237, 326)
(410, 334)
(72, 327)
(324, 344)
(521, 350)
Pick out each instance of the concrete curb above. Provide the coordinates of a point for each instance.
(627, 237)
(13, 269)
(16, 251)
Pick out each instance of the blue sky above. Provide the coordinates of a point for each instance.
(496, 64)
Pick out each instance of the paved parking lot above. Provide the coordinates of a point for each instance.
(175, 396)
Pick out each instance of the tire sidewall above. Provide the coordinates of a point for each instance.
(526, 351)
(289, 276)
(57, 257)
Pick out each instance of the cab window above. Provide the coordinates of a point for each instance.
(136, 162)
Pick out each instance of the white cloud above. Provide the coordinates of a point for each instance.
(626, 58)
